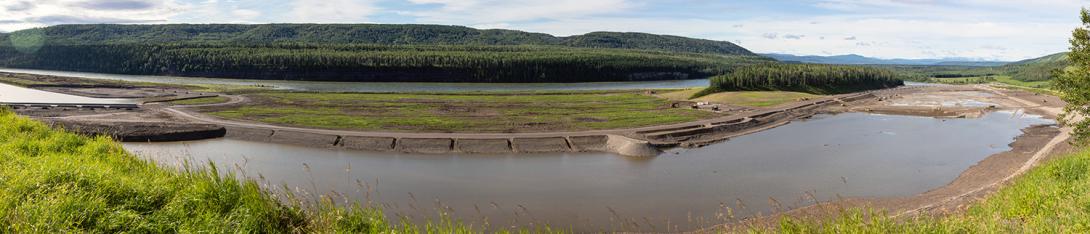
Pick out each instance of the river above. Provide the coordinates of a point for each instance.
(851, 155)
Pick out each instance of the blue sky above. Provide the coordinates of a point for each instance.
(977, 29)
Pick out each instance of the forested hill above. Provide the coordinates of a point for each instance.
(1037, 69)
(369, 52)
(374, 34)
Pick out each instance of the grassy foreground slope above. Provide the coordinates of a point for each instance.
(56, 182)
(1052, 198)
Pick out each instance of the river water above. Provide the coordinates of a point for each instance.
(850, 155)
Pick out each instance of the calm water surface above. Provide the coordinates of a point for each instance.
(380, 86)
(855, 155)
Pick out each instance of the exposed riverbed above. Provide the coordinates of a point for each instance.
(10, 93)
(852, 155)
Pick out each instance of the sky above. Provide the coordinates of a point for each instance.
(974, 29)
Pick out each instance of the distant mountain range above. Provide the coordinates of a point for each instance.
(854, 59)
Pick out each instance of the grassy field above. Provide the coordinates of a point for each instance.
(202, 101)
(1053, 198)
(746, 98)
(1031, 84)
(462, 112)
(990, 79)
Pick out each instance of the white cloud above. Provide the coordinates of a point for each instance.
(493, 12)
(21, 14)
(880, 28)
(245, 14)
(887, 38)
(332, 11)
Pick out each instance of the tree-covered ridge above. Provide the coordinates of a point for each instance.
(1037, 69)
(378, 34)
(810, 78)
(368, 52)
(405, 63)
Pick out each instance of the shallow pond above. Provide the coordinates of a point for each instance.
(381, 86)
(852, 155)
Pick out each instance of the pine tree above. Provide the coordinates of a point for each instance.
(1074, 82)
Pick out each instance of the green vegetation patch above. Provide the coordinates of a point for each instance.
(743, 98)
(1053, 198)
(202, 101)
(460, 112)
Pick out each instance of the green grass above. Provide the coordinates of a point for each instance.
(964, 80)
(1028, 84)
(992, 79)
(742, 98)
(461, 112)
(202, 101)
(1053, 198)
(52, 181)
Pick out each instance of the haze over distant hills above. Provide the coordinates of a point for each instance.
(854, 59)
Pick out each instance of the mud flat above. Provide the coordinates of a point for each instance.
(92, 88)
(640, 142)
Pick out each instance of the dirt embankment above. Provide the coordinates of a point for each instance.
(426, 145)
(142, 131)
(128, 125)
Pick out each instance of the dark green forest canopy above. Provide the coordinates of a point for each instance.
(376, 34)
(369, 52)
(809, 78)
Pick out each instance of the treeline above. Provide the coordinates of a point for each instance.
(380, 63)
(1037, 69)
(368, 52)
(810, 78)
(372, 34)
